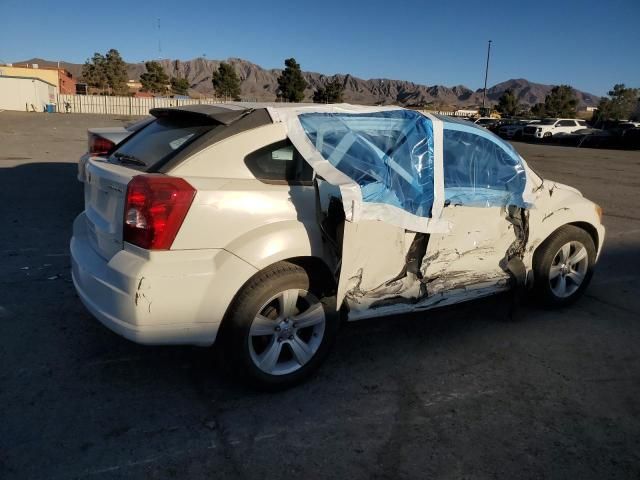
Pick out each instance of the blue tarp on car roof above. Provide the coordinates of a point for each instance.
(480, 169)
(389, 154)
(402, 166)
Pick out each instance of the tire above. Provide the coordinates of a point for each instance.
(563, 266)
(263, 339)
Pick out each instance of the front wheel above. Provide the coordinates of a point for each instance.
(563, 266)
(281, 327)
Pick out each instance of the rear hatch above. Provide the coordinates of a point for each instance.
(107, 179)
(104, 192)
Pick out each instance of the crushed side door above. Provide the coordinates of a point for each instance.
(407, 241)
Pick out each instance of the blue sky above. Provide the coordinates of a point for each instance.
(588, 44)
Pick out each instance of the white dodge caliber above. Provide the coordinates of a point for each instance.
(252, 225)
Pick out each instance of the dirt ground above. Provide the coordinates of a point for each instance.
(459, 393)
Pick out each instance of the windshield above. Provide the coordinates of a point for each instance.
(549, 121)
(158, 141)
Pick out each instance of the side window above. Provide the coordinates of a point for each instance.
(279, 163)
(567, 123)
(478, 172)
(582, 123)
(389, 154)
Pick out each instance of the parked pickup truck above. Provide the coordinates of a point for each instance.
(552, 126)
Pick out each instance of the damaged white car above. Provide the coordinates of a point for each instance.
(253, 225)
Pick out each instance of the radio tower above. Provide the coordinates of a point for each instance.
(159, 44)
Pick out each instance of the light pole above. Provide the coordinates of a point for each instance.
(486, 74)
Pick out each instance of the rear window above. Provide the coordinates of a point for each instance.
(159, 141)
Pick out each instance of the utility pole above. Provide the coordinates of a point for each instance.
(486, 74)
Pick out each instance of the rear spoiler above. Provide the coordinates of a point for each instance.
(221, 115)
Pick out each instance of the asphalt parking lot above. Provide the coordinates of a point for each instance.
(455, 393)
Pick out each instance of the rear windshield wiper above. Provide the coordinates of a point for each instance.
(124, 158)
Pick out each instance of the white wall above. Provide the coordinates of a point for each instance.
(23, 93)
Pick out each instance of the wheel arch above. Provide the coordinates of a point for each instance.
(316, 268)
(586, 226)
(591, 230)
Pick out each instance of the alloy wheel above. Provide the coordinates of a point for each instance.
(568, 269)
(286, 332)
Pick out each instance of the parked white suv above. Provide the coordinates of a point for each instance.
(254, 225)
(552, 126)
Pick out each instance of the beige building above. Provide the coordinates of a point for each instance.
(134, 85)
(59, 77)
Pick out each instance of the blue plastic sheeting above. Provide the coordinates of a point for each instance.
(389, 154)
(480, 169)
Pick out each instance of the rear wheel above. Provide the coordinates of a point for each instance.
(564, 265)
(280, 328)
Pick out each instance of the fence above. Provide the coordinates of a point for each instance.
(138, 106)
(122, 105)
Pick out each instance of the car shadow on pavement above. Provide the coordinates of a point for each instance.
(40, 201)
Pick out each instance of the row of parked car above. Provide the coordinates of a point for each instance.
(566, 131)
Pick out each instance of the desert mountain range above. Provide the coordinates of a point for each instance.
(259, 84)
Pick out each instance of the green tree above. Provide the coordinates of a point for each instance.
(561, 102)
(508, 104)
(106, 72)
(635, 116)
(538, 110)
(332, 92)
(226, 82)
(180, 85)
(291, 83)
(155, 79)
(116, 72)
(620, 105)
(94, 72)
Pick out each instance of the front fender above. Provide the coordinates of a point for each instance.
(556, 207)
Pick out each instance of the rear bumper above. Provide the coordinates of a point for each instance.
(157, 298)
(82, 165)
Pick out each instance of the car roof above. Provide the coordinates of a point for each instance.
(227, 112)
(224, 114)
(234, 118)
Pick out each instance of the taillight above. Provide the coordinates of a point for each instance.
(99, 145)
(155, 208)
